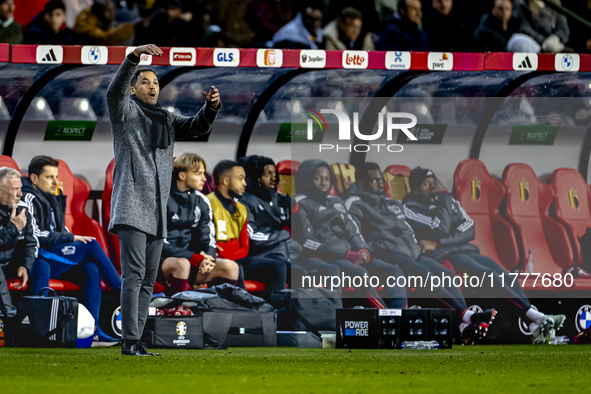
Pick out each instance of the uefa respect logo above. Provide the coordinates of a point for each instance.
(390, 119)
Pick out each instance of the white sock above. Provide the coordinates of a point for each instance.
(533, 327)
(463, 326)
(467, 315)
(534, 315)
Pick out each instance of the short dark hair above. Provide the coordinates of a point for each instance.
(402, 6)
(362, 170)
(39, 162)
(350, 13)
(137, 73)
(221, 168)
(313, 4)
(53, 5)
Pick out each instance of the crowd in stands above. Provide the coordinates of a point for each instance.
(397, 25)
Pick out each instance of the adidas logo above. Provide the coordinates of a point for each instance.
(26, 320)
(526, 64)
(50, 57)
(49, 54)
(525, 61)
(175, 217)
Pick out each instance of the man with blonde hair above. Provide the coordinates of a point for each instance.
(18, 244)
(188, 254)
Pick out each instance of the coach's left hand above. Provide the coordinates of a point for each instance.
(213, 97)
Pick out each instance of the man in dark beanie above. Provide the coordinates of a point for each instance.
(144, 135)
(46, 28)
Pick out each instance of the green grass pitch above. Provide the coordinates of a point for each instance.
(464, 369)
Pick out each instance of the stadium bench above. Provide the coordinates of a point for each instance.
(286, 170)
(343, 177)
(396, 182)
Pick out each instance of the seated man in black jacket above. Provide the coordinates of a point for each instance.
(18, 245)
(445, 230)
(405, 34)
(391, 239)
(63, 255)
(188, 254)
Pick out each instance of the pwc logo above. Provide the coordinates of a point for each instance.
(269, 58)
(440, 61)
(182, 56)
(223, 57)
(355, 59)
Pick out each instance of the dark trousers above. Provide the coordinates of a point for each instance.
(394, 297)
(140, 257)
(476, 264)
(5, 300)
(271, 272)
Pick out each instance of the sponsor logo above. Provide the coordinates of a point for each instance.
(94, 55)
(145, 60)
(440, 61)
(583, 318)
(197, 216)
(312, 59)
(26, 320)
(567, 62)
(1, 326)
(182, 56)
(525, 61)
(49, 54)
(116, 321)
(356, 328)
(181, 328)
(573, 198)
(398, 60)
(226, 57)
(390, 312)
(68, 250)
(355, 59)
(269, 58)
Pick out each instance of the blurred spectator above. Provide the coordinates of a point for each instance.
(170, 27)
(386, 10)
(405, 34)
(230, 16)
(126, 11)
(371, 20)
(344, 33)
(73, 8)
(496, 27)
(46, 28)
(580, 37)
(449, 28)
(304, 31)
(93, 25)
(11, 32)
(547, 27)
(266, 17)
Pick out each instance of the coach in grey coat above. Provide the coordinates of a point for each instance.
(144, 135)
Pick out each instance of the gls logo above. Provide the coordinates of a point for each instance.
(226, 57)
(345, 129)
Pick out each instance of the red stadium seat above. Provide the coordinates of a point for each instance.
(527, 207)
(112, 239)
(343, 177)
(286, 170)
(209, 186)
(481, 195)
(7, 161)
(396, 182)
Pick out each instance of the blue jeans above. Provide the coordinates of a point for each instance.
(92, 265)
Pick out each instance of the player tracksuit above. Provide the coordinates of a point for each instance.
(231, 233)
(190, 232)
(328, 232)
(391, 238)
(446, 223)
(61, 257)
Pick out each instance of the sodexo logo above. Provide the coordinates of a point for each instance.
(344, 123)
(223, 57)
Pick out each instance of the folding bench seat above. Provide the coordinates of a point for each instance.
(343, 177)
(286, 170)
(396, 182)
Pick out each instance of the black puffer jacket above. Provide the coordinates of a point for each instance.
(382, 223)
(190, 225)
(17, 247)
(327, 229)
(49, 215)
(444, 221)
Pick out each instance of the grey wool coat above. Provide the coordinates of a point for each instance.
(143, 175)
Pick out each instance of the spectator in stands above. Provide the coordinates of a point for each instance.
(63, 255)
(266, 17)
(231, 228)
(94, 25)
(18, 246)
(450, 28)
(546, 26)
(188, 254)
(304, 31)
(328, 232)
(170, 27)
(580, 34)
(11, 32)
(48, 27)
(344, 32)
(496, 27)
(444, 231)
(405, 34)
(390, 237)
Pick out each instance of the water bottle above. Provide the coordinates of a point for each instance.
(563, 340)
(529, 268)
(419, 345)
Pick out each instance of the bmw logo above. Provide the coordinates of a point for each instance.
(567, 62)
(94, 55)
(583, 318)
(116, 321)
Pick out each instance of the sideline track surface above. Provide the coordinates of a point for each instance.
(465, 369)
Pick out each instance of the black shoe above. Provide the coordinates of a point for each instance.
(473, 333)
(142, 349)
(487, 316)
(130, 350)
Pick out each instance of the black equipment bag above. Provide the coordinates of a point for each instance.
(48, 321)
(311, 310)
